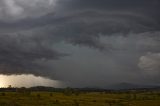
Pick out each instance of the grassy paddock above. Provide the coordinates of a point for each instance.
(80, 99)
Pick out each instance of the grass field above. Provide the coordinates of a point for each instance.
(133, 98)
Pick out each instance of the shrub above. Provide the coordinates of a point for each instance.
(76, 103)
(38, 95)
(94, 101)
(3, 94)
(51, 94)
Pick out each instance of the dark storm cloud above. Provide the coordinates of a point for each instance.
(123, 30)
(24, 55)
(88, 21)
(86, 27)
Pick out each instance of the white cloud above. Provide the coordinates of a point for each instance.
(150, 63)
(13, 10)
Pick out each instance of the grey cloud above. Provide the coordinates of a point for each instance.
(86, 27)
(25, 55)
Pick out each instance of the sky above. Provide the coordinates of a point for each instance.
(81, 43)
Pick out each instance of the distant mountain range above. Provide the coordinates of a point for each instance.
(130, 86)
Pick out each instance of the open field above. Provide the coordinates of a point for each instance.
(131, 98)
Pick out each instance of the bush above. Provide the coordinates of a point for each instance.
(38, 95)
(76, 103)
(3, 94)
(94, 101)
(51, 94)
(57, 101)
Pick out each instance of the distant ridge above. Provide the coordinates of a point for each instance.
(125, 85)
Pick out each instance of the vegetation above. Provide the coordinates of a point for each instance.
(74, 97)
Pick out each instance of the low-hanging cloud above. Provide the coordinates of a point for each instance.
(20, 54)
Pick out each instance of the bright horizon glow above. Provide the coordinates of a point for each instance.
(2, 82)
(27, 81)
